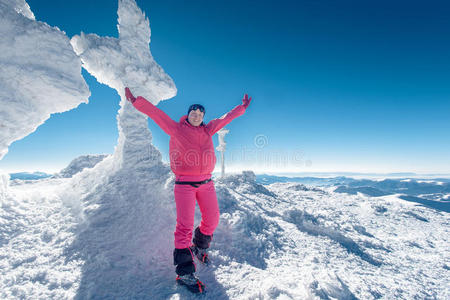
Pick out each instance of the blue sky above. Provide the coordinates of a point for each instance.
(337, 85)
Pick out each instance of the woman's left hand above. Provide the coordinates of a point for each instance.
(246, 101)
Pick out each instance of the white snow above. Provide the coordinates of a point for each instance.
(106, 232)
(36, 232)
(281, 241)
(40, 74)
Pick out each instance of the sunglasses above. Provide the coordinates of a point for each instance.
(196, 106)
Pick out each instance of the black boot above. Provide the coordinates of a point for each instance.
(201, 243)
(183, 259)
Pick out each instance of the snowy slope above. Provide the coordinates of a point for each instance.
(281, 241)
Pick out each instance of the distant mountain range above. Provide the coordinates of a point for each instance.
(29, 176)
(75, 166)
(431, 192)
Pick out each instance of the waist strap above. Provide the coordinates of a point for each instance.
(193, 183)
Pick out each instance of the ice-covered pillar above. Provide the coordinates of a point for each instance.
(221, 148)
(127, 61)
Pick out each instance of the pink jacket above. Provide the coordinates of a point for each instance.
(191, 148)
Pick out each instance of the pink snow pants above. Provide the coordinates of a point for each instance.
(185, 197)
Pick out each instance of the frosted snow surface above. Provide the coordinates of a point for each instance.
(279, 241)
(40, 73)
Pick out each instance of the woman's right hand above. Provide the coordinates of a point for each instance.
(129, 95)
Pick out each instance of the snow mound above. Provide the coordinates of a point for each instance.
(246, 181)
(78, 164)
(41, 74)
(126, 222)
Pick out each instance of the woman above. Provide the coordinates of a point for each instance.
(192, 160)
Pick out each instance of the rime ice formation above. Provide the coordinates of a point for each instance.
(127, 61)
(40, 74)
(21, 7)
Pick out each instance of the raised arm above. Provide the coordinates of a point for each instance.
(215, 125)
(156, 114)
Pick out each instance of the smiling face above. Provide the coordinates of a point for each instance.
(195, 117)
